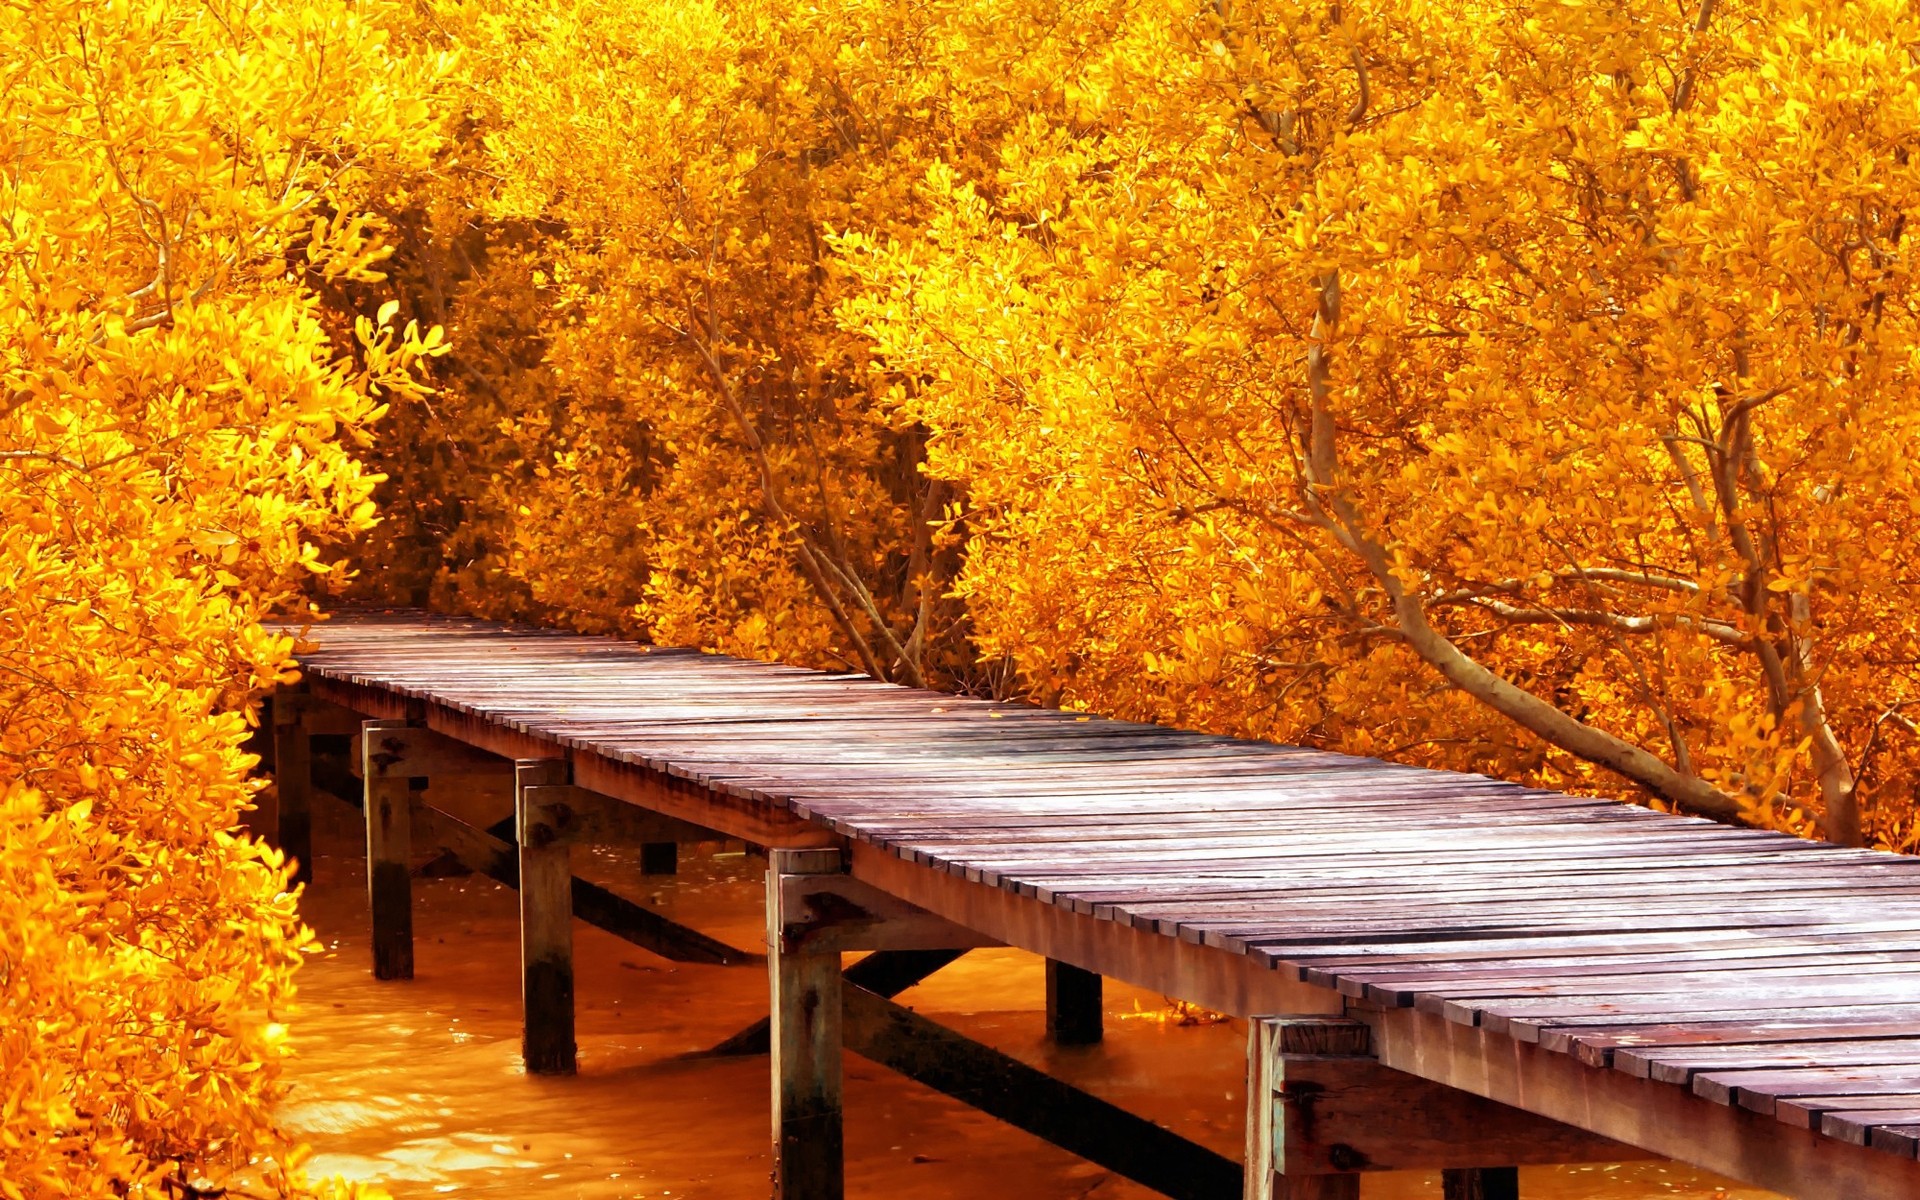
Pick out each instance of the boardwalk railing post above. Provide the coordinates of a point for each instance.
(1074, 1012)
(1481, 1183)
(806, 1015)
(293, 782)
(546, 921)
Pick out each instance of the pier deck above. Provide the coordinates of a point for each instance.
(1407, 944)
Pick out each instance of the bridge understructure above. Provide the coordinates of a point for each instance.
(1437, 971)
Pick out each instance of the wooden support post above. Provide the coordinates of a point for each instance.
(1074, 1013)
(808, 1152)
(660, 858)
(546, 924)
(293, 783)
(1481, 1183)
(388, 807)
(1271, 1041)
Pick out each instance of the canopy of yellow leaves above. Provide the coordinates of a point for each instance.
(1526, 388)
(175, 178)
(1521, 389)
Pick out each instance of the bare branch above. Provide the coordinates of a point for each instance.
(1652, 623)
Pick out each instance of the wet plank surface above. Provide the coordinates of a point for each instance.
(1752, 969)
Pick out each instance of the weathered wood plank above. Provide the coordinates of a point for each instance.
(1657, 1117)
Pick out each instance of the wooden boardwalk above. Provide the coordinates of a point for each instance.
(1647, 984)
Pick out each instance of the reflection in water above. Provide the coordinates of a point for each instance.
(419, 1085)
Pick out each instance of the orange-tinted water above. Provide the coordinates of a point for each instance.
(418, 1084)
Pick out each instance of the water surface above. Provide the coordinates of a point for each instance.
(418, 1085)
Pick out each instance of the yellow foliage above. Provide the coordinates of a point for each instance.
(1523, 393)
(174, 178)
(652, 420)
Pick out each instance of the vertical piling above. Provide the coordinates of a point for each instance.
(293, 783)
(808, 1151)
(1481, 1183)
(659, 858)
(546, 925)
(1270, 1042)
(388, 809)
(1074, 1005)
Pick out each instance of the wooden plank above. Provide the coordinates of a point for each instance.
(1808, 1112)
(546, 922)
(417, 752)
(808, 1152)
(1028, 1099)
(388, 809)
(1761, 1088)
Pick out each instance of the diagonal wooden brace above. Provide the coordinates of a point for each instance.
(1031, 1100)
(885, 973)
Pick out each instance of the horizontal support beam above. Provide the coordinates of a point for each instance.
(1662, 1118)
(577, 815)
(313, 716)
(837, 912)
(1031, 1100)
(1344, 1111)
(1218, 979)
(414, 753)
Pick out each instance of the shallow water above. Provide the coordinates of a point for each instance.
(418, 1085)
